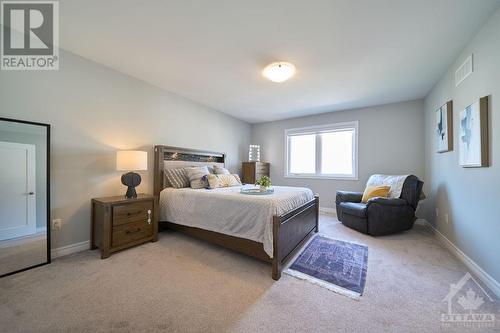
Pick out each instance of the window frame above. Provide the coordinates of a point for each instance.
(318, 130)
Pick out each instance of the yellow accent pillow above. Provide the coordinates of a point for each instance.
(381, 191)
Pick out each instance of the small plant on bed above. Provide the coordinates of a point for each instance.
(264, 182)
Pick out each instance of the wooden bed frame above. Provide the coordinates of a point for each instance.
(290, 230)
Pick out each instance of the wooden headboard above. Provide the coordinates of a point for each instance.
(166, 154)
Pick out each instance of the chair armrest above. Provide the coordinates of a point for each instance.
(346, 196)
(395, 202)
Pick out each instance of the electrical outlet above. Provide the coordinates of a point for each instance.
(446, 219)
(437, 212)
(56, 224)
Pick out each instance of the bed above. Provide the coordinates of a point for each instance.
(268, 227)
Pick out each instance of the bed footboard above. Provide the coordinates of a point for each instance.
(291, 231)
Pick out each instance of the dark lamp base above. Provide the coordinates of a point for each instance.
(131, 180)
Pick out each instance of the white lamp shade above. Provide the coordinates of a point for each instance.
(131, 160)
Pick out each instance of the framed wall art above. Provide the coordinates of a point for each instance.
(473, 140)
(444, 128)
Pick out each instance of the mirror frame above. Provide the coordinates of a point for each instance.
(49, 259)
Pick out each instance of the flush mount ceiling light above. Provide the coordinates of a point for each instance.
(279, 71)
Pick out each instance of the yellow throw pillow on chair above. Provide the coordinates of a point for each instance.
(381, 191)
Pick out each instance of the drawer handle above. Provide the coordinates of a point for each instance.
(133, 231)
(149, 216)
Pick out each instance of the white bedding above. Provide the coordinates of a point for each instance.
(227, 211)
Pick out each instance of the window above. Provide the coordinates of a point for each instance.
(327, 151)
(302, 154)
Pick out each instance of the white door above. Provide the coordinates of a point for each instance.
(17, 190)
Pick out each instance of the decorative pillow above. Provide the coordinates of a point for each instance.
(197, 176)
(216, 181)
(237, 178)
(177, 178)
(166, 182)
(381, 191)
(218, 170)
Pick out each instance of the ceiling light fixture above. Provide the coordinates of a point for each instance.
(279, 71)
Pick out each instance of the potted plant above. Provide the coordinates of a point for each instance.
(264, 183)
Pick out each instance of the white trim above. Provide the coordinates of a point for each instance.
(476, 270)
(70, 249)
(319, 129)
(328, 211)
(322, 128)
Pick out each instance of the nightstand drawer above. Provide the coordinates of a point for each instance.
(136, 212)
(130, 232)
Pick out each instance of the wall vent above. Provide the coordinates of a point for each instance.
(464, 70)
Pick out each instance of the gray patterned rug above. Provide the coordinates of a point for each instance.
(333, 264)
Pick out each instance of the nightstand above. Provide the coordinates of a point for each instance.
(119, 223)
(253, 171)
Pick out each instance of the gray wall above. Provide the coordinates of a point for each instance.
(469, 196)
(390, 142)
(94, 111)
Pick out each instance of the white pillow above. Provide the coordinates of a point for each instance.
(197, 176)
(218, 170)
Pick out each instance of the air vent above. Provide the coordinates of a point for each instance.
(464, 70)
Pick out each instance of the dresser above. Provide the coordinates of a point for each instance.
(119, 223)
(252, 171)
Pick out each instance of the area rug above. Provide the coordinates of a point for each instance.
(333, 264)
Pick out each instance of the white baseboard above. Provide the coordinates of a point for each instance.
(475, 269)
(328, 211)
(70, 249)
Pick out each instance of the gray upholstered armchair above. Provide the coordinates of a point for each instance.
(380, 216)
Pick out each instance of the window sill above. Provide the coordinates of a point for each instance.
(322, 177)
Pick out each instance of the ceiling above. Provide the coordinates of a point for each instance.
(348, 53)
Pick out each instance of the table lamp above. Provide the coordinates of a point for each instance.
(131, 160)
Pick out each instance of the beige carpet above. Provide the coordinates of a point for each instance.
(180, 284)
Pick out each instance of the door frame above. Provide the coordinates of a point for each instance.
(47, 126)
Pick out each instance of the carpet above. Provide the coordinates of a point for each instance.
(181, 284)
(333, 264)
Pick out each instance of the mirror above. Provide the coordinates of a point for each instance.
(24, 195)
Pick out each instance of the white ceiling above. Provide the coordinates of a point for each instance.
(348, 53)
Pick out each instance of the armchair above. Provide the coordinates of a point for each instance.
(380, 216)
